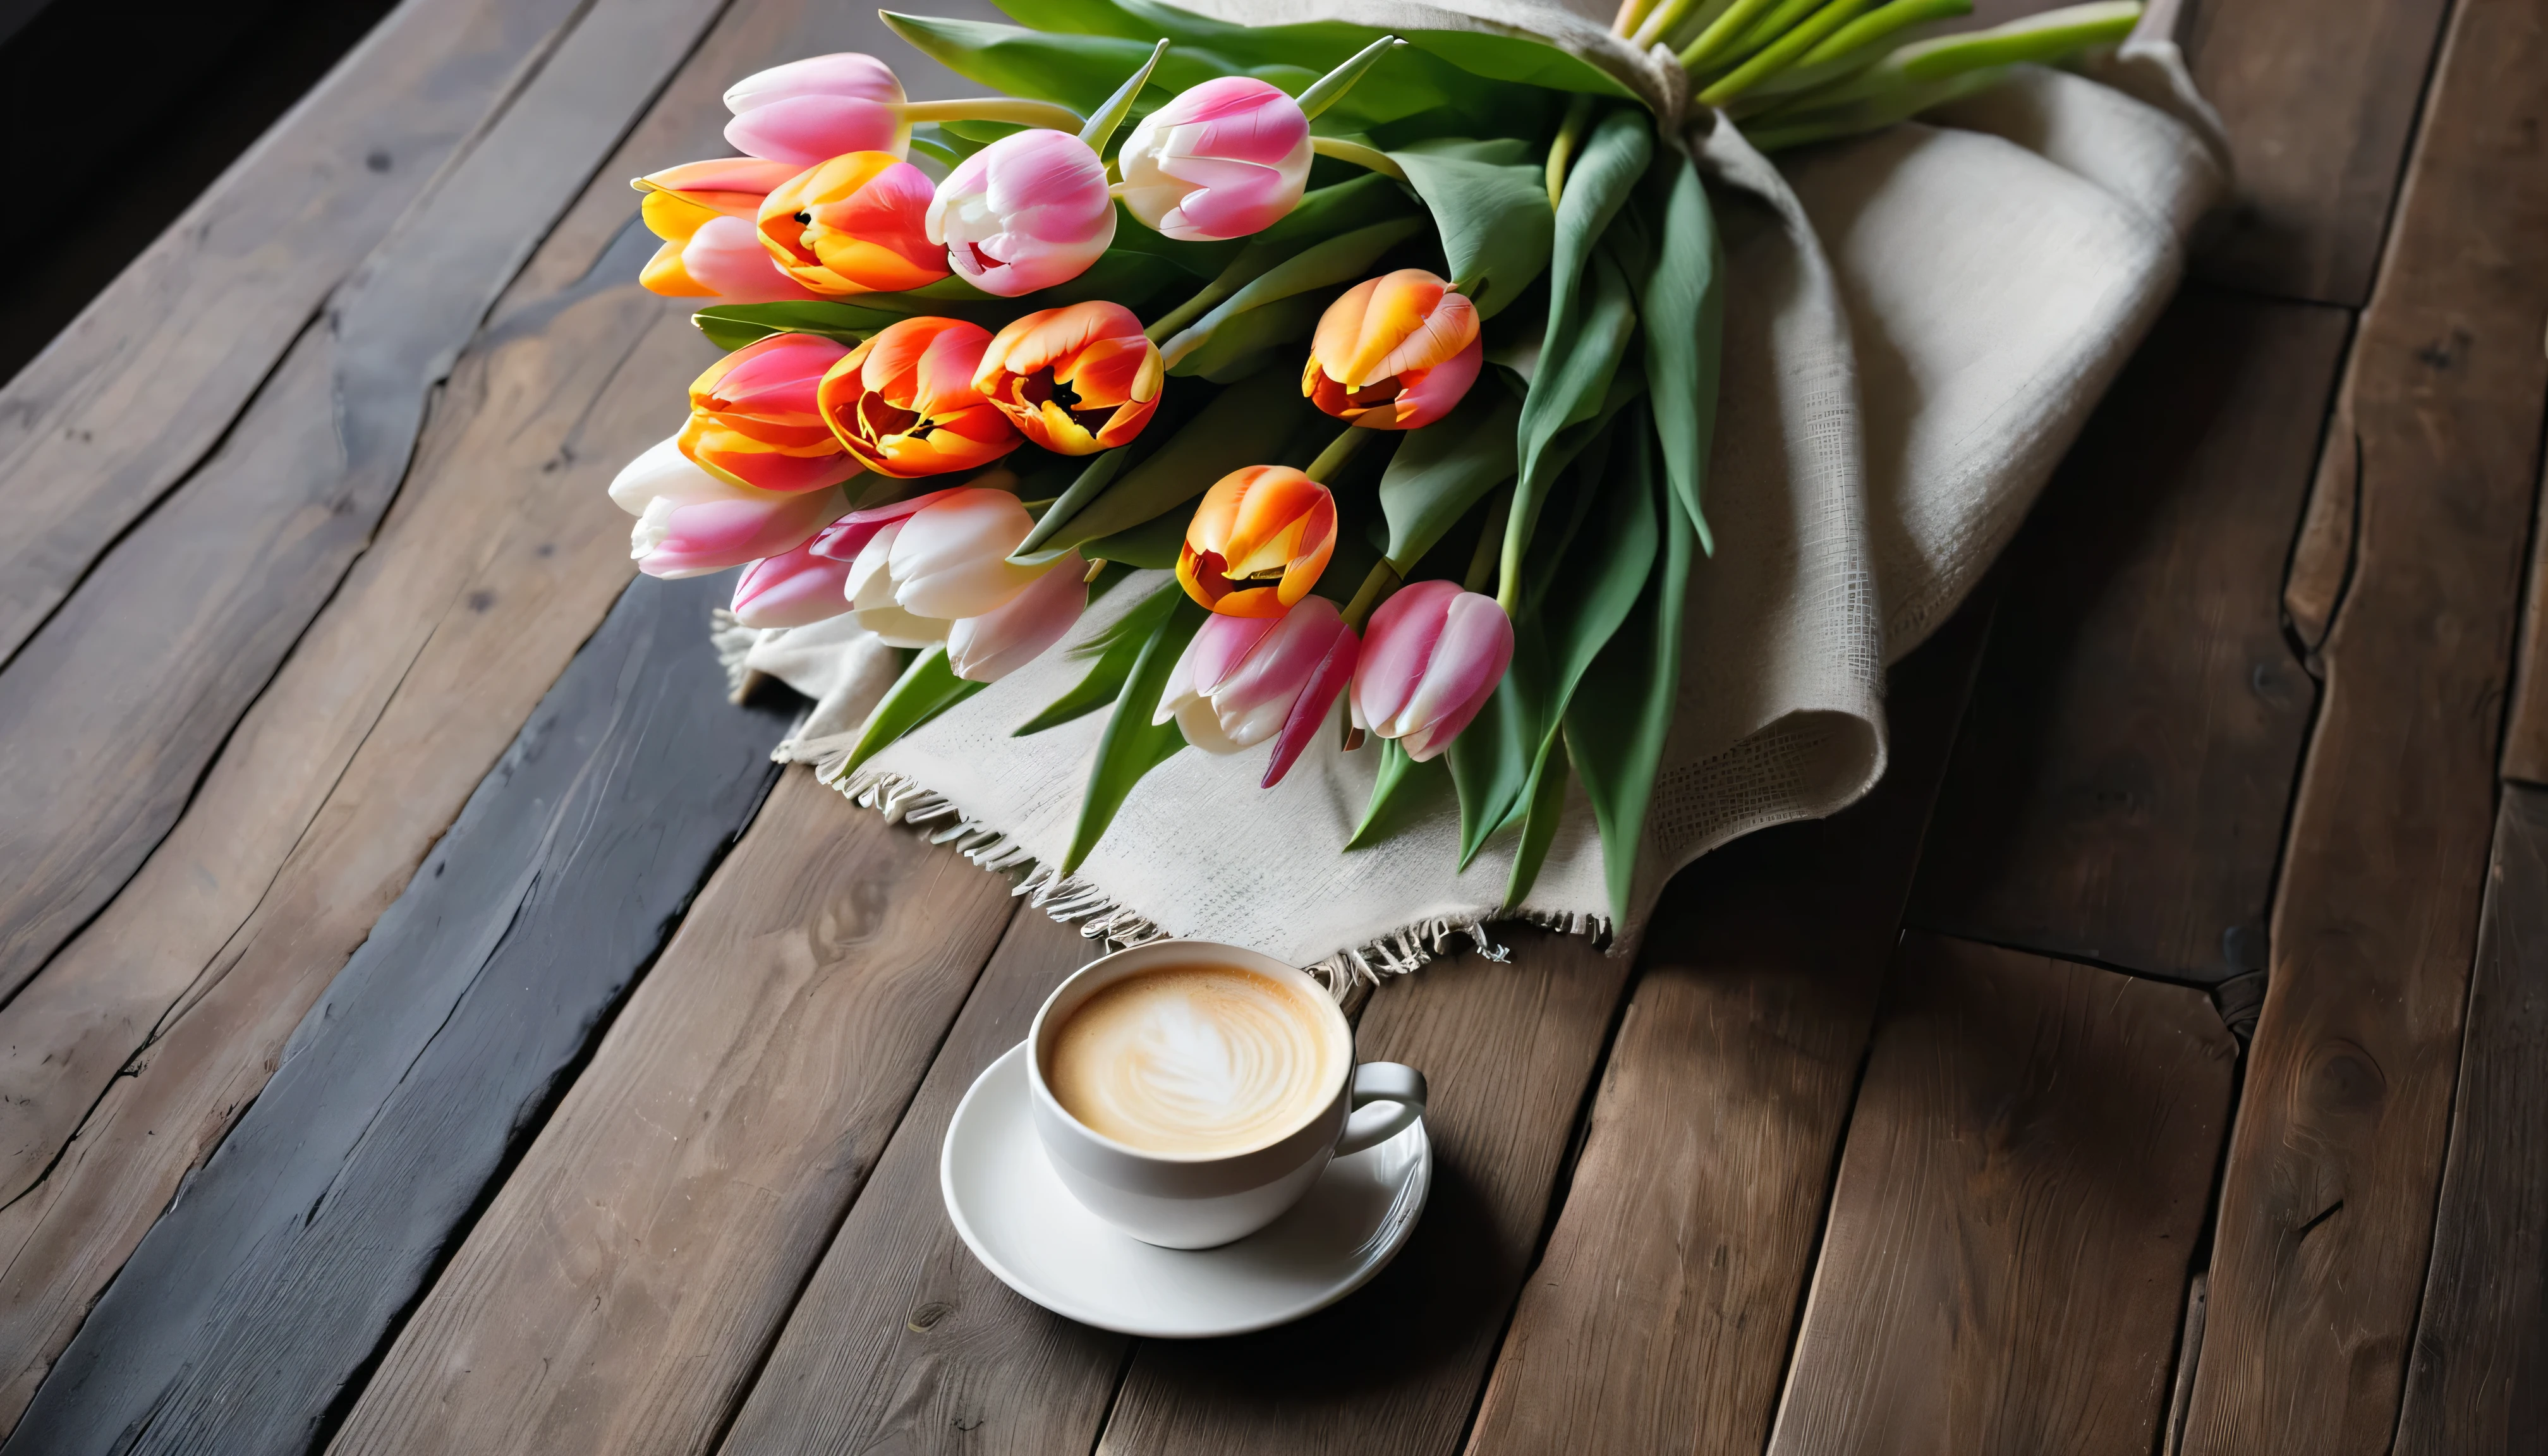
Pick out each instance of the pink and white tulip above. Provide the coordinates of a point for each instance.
(1432, 657)
(812, 110)
(791, 590)
(989, 647)
(690, 523)
(918, 565)
(1223, 159)
(1245, 680)
(1027, 211)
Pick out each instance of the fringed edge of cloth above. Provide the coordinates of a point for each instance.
(1072, 900)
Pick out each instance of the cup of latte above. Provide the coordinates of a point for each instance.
(1188, 1093)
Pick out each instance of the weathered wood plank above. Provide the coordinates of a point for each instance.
(2525, 726)
(631, 1273)
(2479, 1364)
(2025, 1178)
(2319, 99)
(148, 1031)
(1510, 1051)
(238, 1319)
(2327, 1202)
(115, 707)
(903, 1341)
(2119, 789)
(130, 400)
(498, 557)
(1659, 1318)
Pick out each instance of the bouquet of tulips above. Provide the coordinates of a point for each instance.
(1399, 350)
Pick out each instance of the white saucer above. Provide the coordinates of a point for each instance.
(1025, 1227)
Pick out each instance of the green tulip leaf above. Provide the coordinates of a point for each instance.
(1543, 803)
(926, 688)
(1116, 649)
(1244, 424)
(1496, 230)
(1403, 793)
(1622, 712)
(1078, 72)
(1343, 259)
(1592, 318)
(1099, 473)
(1681, 301)
(1444, 470)
(1133, 745)
(1244, 344)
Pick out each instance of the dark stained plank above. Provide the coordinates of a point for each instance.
(237, 1322)
(124, 1063)
(2480, 1364)
(2327, 1203)
(903, 1341)
(1659, 1318)
(2024, 1181)
(115, 707)
(631, 1273)
(1510, 1051)
(2118, 792)
(2318, 97)
(131, 396)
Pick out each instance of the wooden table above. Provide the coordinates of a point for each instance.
(432, 1025)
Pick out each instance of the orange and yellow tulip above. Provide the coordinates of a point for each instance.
(755, 420)
(704, 212)
(904, 403)
(857, 224)
(1394, 352)
(1259, 542)
(1076, 379)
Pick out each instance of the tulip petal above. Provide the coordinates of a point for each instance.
(989, 647)
(790, 590)
(1310, 710)
(806, 129)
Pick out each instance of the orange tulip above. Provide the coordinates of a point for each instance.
(857, 224)
(1394, 352)
(904, 403)
(1259, 542)
(1076, 379)
(704, 212)
(754, 419)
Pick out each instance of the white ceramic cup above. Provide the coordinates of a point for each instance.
(1203, 1199)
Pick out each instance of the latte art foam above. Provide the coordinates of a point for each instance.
(1195, 1059)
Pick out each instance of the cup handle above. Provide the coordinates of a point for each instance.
(1387, 1098)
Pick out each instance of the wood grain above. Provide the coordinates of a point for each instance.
(131, 398)
(903, 1341)
(1659, 1318)
(2479, 1370)
(1510, 1051)
(2318, 97)
(2328, 1201)
(239, 1320)
(2008, 1248)
(2118, 792)
(630, 1275)
(115, 707)
(2525, 726)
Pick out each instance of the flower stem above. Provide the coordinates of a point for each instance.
(1358, 154)
(1569, 135)
(1375, 590)
(994, 109)
(1340, 450)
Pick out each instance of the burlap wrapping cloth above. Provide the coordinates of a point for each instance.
(1917, 324)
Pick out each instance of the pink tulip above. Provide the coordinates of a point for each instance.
(813, 109)
(790, 590)
(754, 419)
(1245, 680)
(1223, 159)
(989, 647)
(1027, 211)
(1433, 657)
(862, 542)
(690, 523)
